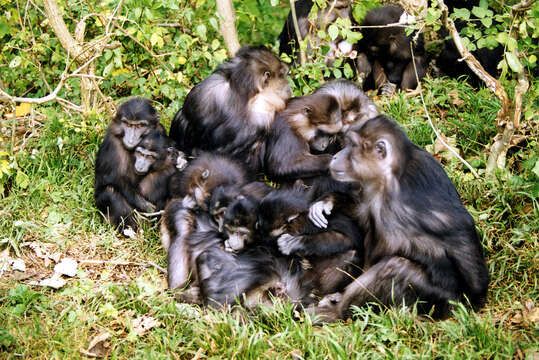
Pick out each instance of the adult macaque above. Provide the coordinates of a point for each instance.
(421, 244)
(231, 111)
(116, 191)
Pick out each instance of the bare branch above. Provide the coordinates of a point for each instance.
(122, 263)
(475, 66)
(57, 23)
(438, 134)
(54, 94)
(302, 57)
(143, 46)
(498, 151)
(227, 20)
(523, 5)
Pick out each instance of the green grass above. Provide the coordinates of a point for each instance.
(56, 211)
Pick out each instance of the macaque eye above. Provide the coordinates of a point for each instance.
(267, 74)
(205, 174)
(381, 148)
(307, 111)
(290, 218)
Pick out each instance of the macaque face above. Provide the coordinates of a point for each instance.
(368, 156)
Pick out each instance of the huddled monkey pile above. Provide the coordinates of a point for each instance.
(361, 214)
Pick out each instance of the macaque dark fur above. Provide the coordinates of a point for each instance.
(204, 174)
(421, 243)
(286, 212)
(288, 41)
(116, 191)
(288, 155)
(388, 51)
(187, 212)
(161, 158)
(231, 111)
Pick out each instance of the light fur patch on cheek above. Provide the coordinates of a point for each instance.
(263, 107)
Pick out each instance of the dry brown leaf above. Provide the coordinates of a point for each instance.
(143, 324)
(454, 98)
(99, 346)
(296, 354)
(441, 151)
(4, 255)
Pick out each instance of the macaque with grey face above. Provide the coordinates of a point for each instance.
(421, 244)
(231, 111)
(156, 161)
(116, 190)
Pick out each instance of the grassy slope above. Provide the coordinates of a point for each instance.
(56, 211)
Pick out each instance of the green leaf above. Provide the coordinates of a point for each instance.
(201, 31)
(4, 29)
(532, 59)
(337, 73)
(220, 55)
(502, 38)
(156, 39)
(214, 23)
(479, 12)
(22, 180)
(536, 168)
(348, 72)
(513, 62)
(108, 69)
(274, 2)
(333, 31)
(511, 44)
(16, 61)
(481, 43)
(433, 15)
(463, 14)
(487, 22)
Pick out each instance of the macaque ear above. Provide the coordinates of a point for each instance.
(205, 174)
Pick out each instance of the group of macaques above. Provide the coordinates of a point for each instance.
(361, 214)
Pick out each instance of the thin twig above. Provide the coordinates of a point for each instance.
(438, 134)
(143, 46)
(302, 57)
(122, 263)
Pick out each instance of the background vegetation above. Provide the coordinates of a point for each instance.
(161, 48)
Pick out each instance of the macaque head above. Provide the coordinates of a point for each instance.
(240, 222)
(278, 210)
(375, 153)
(310, 114)
(356, 107)
(134, 119)
(207, 173)
(258, 71)
(152, 150)
(220, 199)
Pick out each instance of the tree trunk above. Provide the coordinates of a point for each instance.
(75, 50)
(228, 26)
